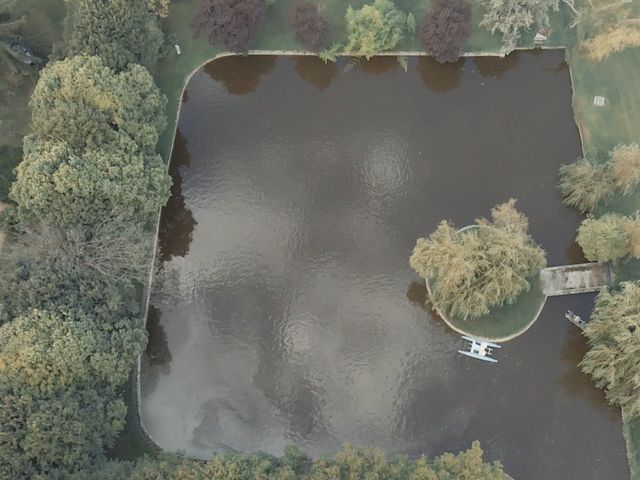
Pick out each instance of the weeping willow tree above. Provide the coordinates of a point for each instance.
(613, 334)
(585, 185)
(474, 270)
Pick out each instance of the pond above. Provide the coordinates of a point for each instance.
(285, 311)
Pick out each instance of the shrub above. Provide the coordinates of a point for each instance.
(584, 185)
(613, 335)
(374, 28)
(311, 30)
(625, 167)
(510, 17)
(445, 28)
(120, 32)
(230, 24)
(604, 239)
(481, 268)
(614, 40)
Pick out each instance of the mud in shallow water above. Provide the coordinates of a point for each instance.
(286, 311)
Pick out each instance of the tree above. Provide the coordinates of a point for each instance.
(230, 24)
(611, 41)
(311, 30)
(585, 185)
(445, 28)
(81, 102)
(468, 465)
(472, 271)
(374, 28)
(510, 17)
(59, 372)
(604, 239)
(56, 185)
(625, 167)
(613, 335)
(120, 32)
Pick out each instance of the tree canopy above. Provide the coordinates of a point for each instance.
(311, 30)
(120, 32)
(609, 237)
(472, 271)
(59, 372)
(60, 187)
(511, 17)
(613, 335)
(81, 102)
(445, 28)
(375, 28)
(585, 185)
(350, 463)
(229, 24)
(625, 167)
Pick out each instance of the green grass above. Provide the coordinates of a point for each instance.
(508, 321)
(631, 430)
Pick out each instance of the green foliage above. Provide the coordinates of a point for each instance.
(625, 167)
(81, 102)
(604, 239)
(95, 270)
(483, 267)
(613, 335)
(58, 376)
(9, 159)
(585, 185)
(511, 17)
(121, 32)
(91, 156)
(375, 28)
(57, 186)
(351, 463)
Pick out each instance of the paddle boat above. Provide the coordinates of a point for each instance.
(479, 349)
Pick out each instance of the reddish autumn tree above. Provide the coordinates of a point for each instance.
(445, 28)
(311, 30)
(230, 24)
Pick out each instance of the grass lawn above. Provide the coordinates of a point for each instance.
(508, 321)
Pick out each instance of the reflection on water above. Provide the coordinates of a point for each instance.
(177, 222)
(316, 72)
(496, 67)
(293, 315)
(238, 75)
(379, 65)
(440, 77)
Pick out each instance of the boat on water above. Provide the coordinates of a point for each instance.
(479, 349)
(575, 319)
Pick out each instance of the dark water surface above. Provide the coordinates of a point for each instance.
(286, 311)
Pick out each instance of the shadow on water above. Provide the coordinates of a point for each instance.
(177, 222)
(379, 65)
(316, 72)
(440, 77)
(496, 67)
(240, 75)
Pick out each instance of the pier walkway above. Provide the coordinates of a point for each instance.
(579, 278)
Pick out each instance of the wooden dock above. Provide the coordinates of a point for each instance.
(579, 278)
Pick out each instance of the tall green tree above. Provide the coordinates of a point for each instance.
(375, 28)
(511, 17)
(604, 239)
(58, 186)
(613, 335)
(585, 185)
(59, 372)
(82, 102)
(472, 271)
(121, 32)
